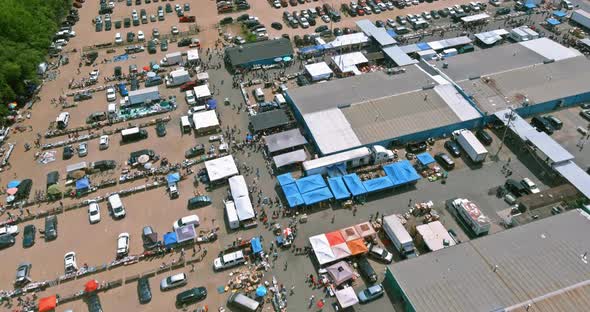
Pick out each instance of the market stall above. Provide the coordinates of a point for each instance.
(221, 168)
(340, 272)
(346, 297)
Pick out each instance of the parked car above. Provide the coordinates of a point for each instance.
(50, 231)
(68, 152)
(530, 186)
(82, 149)
(70, 263)
(445, 160)
(542, 125)
(276, 25)
(29, 233)
(149, 238)
(7, 240)
(23, 272)
(554, 121)
(191, 295)
(416, 147)
(484, 137)
(144, 293)
(173, 281)
(103, 142)
(366, 270)
(93, 213)
(515, 188)
(379, 253)
(161, 129)
(371, 293)
(192, 219)
(122, 245)
(229, 260)
(453, 148)
(585, 114)
(195, 151)
(9, 229)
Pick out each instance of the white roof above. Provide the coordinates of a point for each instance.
(203, 76)
(241, 197)
(474, 18)
(346, 62)
(206, 119)
(319, 70)
(550, 49)
(434, 234)
(238, 186)
(221, 168)
(244, 208)
(290, 158)
(575, 175)
(336, 158)
(347, 40)
(491, 37)
(378, 33)
(339, 136)
(202, 91)
(77, 166)
(346, 297)
(321, 248)
(458, 104)
(192, 55)
(400, 57)
(548, 146)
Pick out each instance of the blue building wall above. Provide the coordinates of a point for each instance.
(268, 61)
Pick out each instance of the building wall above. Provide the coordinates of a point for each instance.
(395, 291)
(268, 61)
(553, 105)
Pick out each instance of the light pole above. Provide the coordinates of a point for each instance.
(510, 117)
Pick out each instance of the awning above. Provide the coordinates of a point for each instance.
(256, 245)
(290, 158)
(268, 120)
(169, 239)
(221, 168)
(354, 184)
(322, 249)
(365, 229)
(553, 22)
(377, 184)
(575, 175)
(310, 183)
(357, 246)
(284, 140)
(346, 297)
(82, 184)
(335, 238)
(350, 233)
(341, 251)
(530, 5)
(292, 195)
(317, 196)
(47, 304)
(285, 179)
(338, 188)
(172, 178)
(559, 13)
(212, 104)
(425, 158)
(185, 233)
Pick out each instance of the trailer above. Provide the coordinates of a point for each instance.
(471, 145)
(133, 134)
(470, 214)
(399, 236)
(177, 77)
(141, 96)
(582, 18)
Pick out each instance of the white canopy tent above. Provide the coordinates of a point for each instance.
(202, 92)
(321, 248)
(346, 297)
(221, 168)
(205, 121)
(239, 193)
(348, 62)
(318, 71)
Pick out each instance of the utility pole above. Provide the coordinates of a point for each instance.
(510, 117)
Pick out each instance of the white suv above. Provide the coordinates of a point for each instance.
(190, 97)
(123, 245)
(111, 95)
(104, 142)
(70, 264)
(192, 219)
(229, 260)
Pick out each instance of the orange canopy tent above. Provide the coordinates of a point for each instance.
(90, 286)
(47, 304)
(357, 246)
(335, 238)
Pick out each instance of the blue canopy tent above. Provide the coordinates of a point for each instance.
(13, 183)
(338, 188)
(423, 46)
(553, 22)
(256, 245)
(212, 104)
(310, 183)
(169, 239)
(261, 291)
(336, 170)
(354, 184)
(559, 14)
(530, 5)
(401, 172)
(293, 196)
(317, 196)
(285, 179)
(425, 159)
(378, 184)
(82, 185)
(173, 178)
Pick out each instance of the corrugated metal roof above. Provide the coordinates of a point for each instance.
(575, 175)
(283, 140)
(290, 158)
(396, 54)
(261, 50)
(502, 270)
(550, 49)
(333, 136)
(458, 104)
(378, 33)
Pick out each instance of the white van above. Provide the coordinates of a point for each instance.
(229, 260)
(185, 124)
(192, 219)
(232, 215)
(243, 302)
(62, 120)
(280, 99)
(116, 206)
(566, 4)
(259, 95)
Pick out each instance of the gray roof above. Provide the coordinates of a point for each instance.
(538, 259)
(378, 33)
(397, 55)
(352, 90)
(539, 83)
(290, 158)
(269, 120)
(257, 51)
(489, 61)
(283, 140)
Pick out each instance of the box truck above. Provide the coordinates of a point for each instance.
(581, 17)
(399, 236)
(141, 96)
(171, 59)
(133, 134)
(177, 77)
(472, 146)
(470, 214)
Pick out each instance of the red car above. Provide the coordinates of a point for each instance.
(360, 12)
(186, 19)
(188, 86)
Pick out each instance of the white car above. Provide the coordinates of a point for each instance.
(190, 98)
(391, 23)
(140, 36)
(111, 95)
(196, 109)
(174, 30)
(61, 42)
(94, 75)
(82, 149)
(118, 38)
(93, 213)
(9, 229)
(192, 219)
(277, 4)
(103, 142)
(530, 186)
(70, 264)
(325, 18)
(123, 245)
(173, 281)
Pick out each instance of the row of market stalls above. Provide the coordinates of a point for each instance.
(291, 143)
(314, 189)
(341, 244)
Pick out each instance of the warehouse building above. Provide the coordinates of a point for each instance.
(266, 52)
(540, 266)
(377, 108)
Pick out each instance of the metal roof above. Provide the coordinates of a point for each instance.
(256, 51)
(491, 37)
(550, 49)
(553, 150)
(475, 18)
(271, 119)
(575, 175)
(378, 33)
(398, 56)
(283, 140)
(532, 261)
(290, 158)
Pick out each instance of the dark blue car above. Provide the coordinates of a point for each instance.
(123, 89)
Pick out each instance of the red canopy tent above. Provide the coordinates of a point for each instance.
(47, 304)
(90, 286)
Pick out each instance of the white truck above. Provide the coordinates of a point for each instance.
(471, 215)
(177, 77)
(141, 96)
(171, 59)
(472, 146)
(399, 236)
(581, 17)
